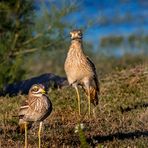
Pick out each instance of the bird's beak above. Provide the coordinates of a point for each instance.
(43, 91)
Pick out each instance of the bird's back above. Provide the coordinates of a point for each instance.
(94, 85)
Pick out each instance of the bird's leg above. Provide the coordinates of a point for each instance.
(88, 101)
(26, 144)
(39, 134)
(78, 97)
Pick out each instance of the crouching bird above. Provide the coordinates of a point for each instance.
(80, 70)
(36, 108)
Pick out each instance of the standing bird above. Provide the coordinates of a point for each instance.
(80, 70)
(35, 109)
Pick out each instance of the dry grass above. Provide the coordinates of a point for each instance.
(121, 118)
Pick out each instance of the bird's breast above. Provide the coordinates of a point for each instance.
(76, 69)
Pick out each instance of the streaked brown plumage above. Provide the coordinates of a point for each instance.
(80, 70)
(36, 108)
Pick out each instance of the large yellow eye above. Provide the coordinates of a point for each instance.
(35, 88)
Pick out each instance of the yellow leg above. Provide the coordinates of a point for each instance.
(39, 134)
(89, 102)
(78, 97)
(26, 135)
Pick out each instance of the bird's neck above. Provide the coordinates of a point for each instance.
(76, 46)
(35, 95)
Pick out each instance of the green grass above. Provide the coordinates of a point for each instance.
(121, 117)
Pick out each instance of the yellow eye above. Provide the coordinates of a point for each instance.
(35, 88)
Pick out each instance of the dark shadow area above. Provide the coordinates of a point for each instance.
(120, 136)
(135, 106)
(49, 80)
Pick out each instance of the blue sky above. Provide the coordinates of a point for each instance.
(135, 10)
(132, 17)
(94, 10)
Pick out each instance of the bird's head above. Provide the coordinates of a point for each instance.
(76, 34)
(37, 90)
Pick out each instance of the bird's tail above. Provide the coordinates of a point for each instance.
(21, 126)
(94, 95)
